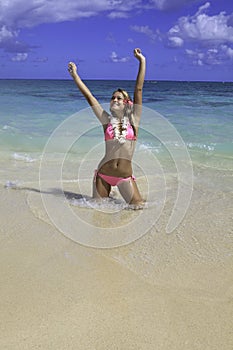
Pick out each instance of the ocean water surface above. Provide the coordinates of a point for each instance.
(200, 111)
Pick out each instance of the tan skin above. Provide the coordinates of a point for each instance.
(118, 157)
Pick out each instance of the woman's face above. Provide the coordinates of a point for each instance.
(117, 102)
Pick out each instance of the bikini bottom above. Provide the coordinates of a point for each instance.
(113, 180)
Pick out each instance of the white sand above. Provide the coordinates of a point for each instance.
(161, 292)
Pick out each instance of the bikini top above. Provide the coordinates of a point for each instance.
(109, 133)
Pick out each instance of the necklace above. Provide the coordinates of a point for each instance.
(119, 128)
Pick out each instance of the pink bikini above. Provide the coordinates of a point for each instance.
(109, 135)
(113, 180)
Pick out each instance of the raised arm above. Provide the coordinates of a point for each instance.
(140, 77)
(93, 102)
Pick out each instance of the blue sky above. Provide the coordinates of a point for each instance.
(182, 39)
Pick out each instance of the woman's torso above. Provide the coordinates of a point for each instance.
(117, 159)
(118, 156)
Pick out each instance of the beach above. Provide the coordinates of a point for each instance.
(156, 290)
(57, 294)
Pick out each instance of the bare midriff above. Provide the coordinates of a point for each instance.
(117, 159)
(117, 167)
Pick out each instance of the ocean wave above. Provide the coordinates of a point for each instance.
(144, 147)
(8, 128)
(109, 204)
(201, 146)
(190, 145)
(23, 157)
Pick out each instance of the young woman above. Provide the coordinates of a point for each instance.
(121, 131)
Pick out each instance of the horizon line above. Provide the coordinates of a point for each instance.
(146, 80)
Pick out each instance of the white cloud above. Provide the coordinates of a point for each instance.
(6, 34)
(209, 35)
(228, 51)
(9, 41)
(190, 52)
(118, 14)
(18, 14)
(24, 13)
(200, 29)
(19, 57)
(199, 62)
(211, 56)
(203, 8)
(145, 30)
(115, 58)
(176, 41)
(203, 28)
(165, 5)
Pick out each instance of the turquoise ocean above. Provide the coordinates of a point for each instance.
(201, 112)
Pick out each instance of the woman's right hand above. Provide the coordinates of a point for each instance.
(138, 54)
(72, 68)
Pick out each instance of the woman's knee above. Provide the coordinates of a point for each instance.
(130, 192)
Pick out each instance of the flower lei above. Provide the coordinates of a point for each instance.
(120, 125)
(119, 128)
